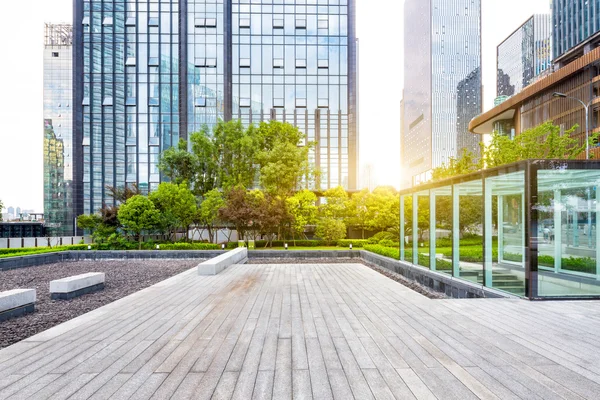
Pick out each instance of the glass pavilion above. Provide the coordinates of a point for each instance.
(528, 228)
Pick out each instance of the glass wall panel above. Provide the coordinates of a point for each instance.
(422, 235)
(469, 206)
(568, 243)
(443, 229)
(505, 233)
(408, 228)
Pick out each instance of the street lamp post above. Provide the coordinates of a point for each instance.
(587, 108)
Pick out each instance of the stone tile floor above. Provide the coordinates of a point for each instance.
(309, 331)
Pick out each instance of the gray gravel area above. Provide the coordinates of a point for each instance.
(123, 277)
(417, 287)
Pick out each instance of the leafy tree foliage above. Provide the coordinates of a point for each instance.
(335, 204)
(178, 164)
(303, 211)
(89, 222)
(383, 209)
(208, 212)
(177, 206)
(331, 229)
(138, 214)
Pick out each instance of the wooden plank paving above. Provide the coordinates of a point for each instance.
(320, 331)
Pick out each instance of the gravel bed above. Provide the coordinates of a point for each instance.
(416, 286)
(123, 277)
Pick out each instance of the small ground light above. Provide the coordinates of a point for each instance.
(89, 247)
(222, 246)
(157, 247)
(285, 245)
(350, 246)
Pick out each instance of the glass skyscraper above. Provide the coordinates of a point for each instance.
(576, 28)
(442, 82)
(524, 55)
(151, 72)
(58, 130)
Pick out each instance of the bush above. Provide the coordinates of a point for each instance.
(258, 244)
(382, 236)
(383, 251)
(5, 253)
(356, 243)
(189, 246)
(387, 243)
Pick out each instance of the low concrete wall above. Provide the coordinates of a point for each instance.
(439, 282)
(64, 256)
(16, 298)
(218, 264)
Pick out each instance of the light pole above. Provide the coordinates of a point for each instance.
(586, 107)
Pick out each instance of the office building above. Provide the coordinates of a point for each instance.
(442, 83)
(524, 55)
(576, 29)
(58, 129)
(150, 73)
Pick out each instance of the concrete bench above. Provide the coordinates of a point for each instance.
(74, 286)
(15, 303)
(218, 264)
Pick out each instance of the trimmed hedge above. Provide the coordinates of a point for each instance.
(378, 237)
(5, 253)
(189, 246)
(383, 251)
(356, 243)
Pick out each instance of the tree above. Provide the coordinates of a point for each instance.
(206, 163)
(358, 211)
(1, 208)
(138, 214)
(121, 194)
(177, 206)
(178, 164)
(283, 159)
(235, 150)
(331, 229)
(89, 222)
(466, 163)
(383, 209)
(336, 203)
(270, 215)
(303, 211)
(423, 215)
(208, 212)
(238, 210)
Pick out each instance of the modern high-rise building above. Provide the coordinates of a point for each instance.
(524, 55)
(58, 129)
(576, 29)
(442, 82)
(149, 73)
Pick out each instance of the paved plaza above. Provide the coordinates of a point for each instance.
(309, 331)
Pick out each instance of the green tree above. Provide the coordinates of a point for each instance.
(239, 210)
(177, 206)
(335, 204)
(331, 229)
(466, 163)
(236, 150)
(178, 164)
(138, 214)
(358, 210)
(423, 215)
(303, 210)
(206, 163)
(383, 209)
(283, 159)
(90, 223)
(208, 212)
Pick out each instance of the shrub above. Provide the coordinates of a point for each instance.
(387, 243)
(383, 251)
(356, 243)
(189, 246)
(382, 236)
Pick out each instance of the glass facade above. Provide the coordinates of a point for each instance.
(528, 229)
(442, 86)
(524, 55)
(150, 72)
(58, 130)
(574, 22)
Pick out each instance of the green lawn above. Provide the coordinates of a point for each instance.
(290, 248)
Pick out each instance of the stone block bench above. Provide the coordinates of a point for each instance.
(74, 286)
(15, 303)
(218, 264)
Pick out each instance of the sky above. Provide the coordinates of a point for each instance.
(380, 84)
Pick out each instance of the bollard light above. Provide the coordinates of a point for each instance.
(350, 246)
(89, 247)
(285, 245)
(157, 247)
(223, 246)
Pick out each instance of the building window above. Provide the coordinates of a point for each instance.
(278, 63)
(131, 101)
(300, 103)
(54, 54)
(244, 63)
(153, 21)
(323, 103)
(153, 101)
(153, 62)
(85, 21)
(206, 62)
(85, 101)
(108, 101)
(130, 61)
(205, 22)
(130, 21)
(278, 23)
(245, 23)
(108, 21)
(300, 23)
(278, 103)
(200, 102)
(245, 103)
(323, 24)
(323, 63)
(300, 63)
